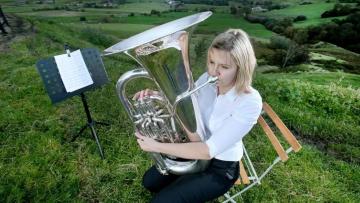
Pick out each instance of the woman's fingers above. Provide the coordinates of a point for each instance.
(143, 142)
(143, 93)
(136, 96)
(148, 92)
(139, 135)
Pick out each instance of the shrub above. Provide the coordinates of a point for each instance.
(300, 18)
(257, 19)
(82, 18)
(106, 19)
(97, 37)
(339, 10)
(305, 3)
(200, 47)
(278, 6)
(287, 52)
(300, 36)
(155, 12)
(279, 42)
(233, 10)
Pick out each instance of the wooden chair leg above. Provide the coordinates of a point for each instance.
(244, 178)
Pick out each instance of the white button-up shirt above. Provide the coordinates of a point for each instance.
(226, 119)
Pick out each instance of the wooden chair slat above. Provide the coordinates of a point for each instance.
(273, 139)
(290, 138)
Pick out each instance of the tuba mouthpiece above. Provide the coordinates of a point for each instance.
(212, 79)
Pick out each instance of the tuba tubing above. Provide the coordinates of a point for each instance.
(162, 52)
(163, 163)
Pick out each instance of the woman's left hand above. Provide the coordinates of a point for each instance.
(147, 144)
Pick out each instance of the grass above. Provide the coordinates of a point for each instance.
(127, 26)
(338, 78)
(38, 163)
(311, 11)
(220, 9)
(326, 113)
(316, 21)
(307, 176)
(220, 22)
(121, 30)
(124, 8)
(134, 8)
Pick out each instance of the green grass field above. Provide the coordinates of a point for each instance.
(339, 78)
(134, 8)
(220, 9)
(220, 22)
(121, 30)
(312, 12)
(38, 163)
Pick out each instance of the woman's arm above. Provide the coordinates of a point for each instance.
(190, 150)
(193, 137)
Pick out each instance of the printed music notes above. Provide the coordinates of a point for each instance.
(73, 71)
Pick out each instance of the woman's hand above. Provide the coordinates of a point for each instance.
(144, 93)
(147, 144)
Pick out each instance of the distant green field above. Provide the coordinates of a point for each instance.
(311, 11)
(55, 13)
(316, 21)
(192, 7)
(221, 22)
(19, 9)
(216, 23)
(134, 8)
(117, 29)
(123, 8)
(341, 79)
(154, 20)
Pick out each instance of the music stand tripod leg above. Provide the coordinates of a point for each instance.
(79, 133)
(90, 124)
(101, 123)
(93, 132)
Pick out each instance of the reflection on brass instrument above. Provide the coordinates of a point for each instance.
(162, 52)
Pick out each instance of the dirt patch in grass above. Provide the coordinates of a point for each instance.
(17, 30)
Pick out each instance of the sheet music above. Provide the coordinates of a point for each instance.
(73, 71)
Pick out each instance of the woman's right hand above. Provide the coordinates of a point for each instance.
(144, 93)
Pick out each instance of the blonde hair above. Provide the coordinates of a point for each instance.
(237, 43)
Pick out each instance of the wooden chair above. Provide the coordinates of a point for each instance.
(253, 179)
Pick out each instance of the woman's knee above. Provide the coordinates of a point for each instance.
(149, 181)
(155, 181)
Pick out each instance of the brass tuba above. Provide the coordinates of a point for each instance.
(162, 52)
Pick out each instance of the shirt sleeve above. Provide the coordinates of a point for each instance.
(235, 127)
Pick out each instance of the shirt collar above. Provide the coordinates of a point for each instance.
(230, 95)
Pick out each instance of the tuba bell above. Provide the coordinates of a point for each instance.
(162, 52)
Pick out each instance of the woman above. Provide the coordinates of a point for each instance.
(229, 108)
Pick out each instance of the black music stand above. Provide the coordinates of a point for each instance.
(55, 88)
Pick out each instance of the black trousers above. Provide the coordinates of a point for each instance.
(219, 177)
